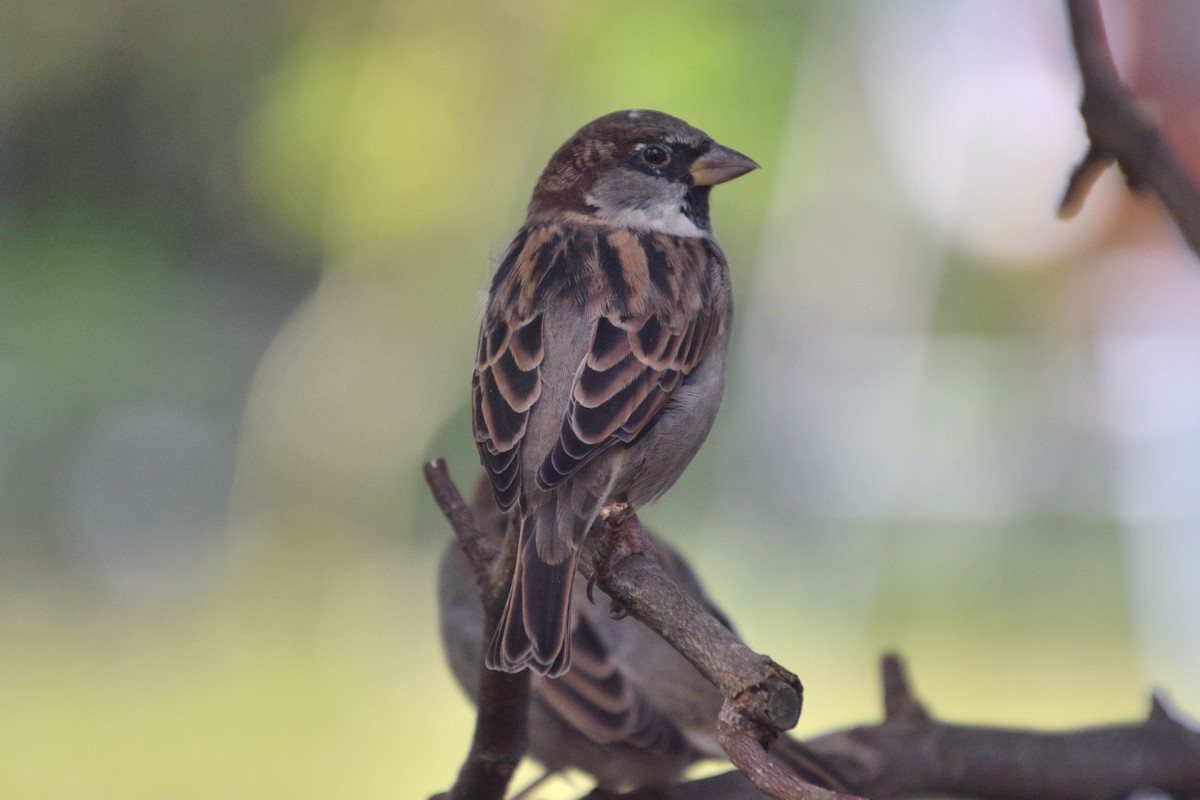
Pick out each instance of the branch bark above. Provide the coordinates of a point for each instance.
(762, 699)
(501, 735)
(911, 753)
(1119, 131)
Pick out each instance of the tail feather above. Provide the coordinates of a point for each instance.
(808, 766)
(535, 631)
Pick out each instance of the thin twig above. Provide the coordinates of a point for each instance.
(1119, 131)
(501, 736)
(481, 550)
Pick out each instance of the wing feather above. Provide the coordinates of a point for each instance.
(635, 362)
(649, 304)
(600, 701)
(505, 386)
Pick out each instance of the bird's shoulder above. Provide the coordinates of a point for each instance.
(605, 271)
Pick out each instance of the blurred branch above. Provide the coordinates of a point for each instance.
(1118, 131)
(910, 753)
(501, 736)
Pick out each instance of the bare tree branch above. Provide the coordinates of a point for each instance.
(1119, 131)
(770, 694)
(910, 753)
(501, 736)
(762, 699)
(915, 754)
(481, 550)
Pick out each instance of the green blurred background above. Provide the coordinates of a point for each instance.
(241, 251)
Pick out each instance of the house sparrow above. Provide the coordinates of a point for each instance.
(632, 711)
(601, 358)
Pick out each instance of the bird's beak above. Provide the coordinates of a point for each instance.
(720, 164)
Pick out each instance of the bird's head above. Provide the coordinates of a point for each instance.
(638, 169)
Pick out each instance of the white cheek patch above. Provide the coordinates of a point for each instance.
(668, 219)
(664, 218)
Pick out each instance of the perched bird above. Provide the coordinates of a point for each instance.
(632, 711)
(602, 351)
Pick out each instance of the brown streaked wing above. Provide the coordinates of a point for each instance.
(605, 705)
(507, 380)
(505, 385)
(634, 361)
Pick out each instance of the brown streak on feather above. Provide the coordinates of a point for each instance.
(650, 341)
(505, 427)
(598, 723)
(671, 257)
(610, 343)
(649, 295)
(592, 285)
(510, 258)
(634, 269)
(656, 264)
(647, 409)
(526, 344)
(670, 353)
(477, 421)
(593, 425)
(519, 388)
(605, 690)
(696, 273)
(509, 295)
(496, 342)
(535, 269)
(594, 387)
(615, 286)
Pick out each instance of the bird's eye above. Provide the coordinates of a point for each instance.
(656, 155)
